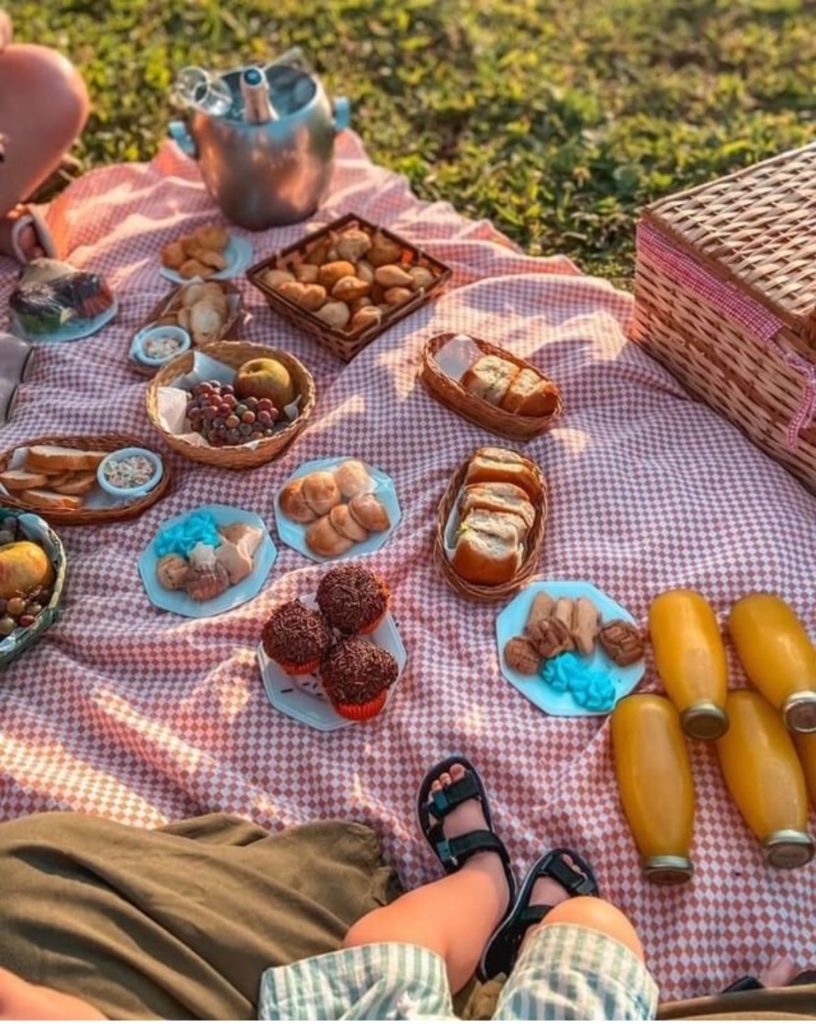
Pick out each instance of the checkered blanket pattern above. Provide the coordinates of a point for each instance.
(131, 713)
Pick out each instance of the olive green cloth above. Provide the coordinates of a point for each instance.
(180, 922)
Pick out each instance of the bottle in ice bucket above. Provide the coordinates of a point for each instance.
(765, 779)
(690, 658)
(655, 784)
(258, 107)
(778, 656)
(806, 749)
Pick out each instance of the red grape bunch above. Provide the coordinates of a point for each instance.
(223, 419)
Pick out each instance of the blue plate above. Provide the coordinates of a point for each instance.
(511, 621)
(294, 534)
(178, 601)
(238, 255)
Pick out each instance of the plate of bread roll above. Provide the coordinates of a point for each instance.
(336, 508)
(491, 524)
(569, 648)
(490, 386)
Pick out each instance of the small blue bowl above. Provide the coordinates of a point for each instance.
(130, 492)
(149, 332)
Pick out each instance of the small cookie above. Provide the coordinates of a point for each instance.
(521, 655)
(622, 641)
(551, 637)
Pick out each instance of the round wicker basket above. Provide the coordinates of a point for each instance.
(234, 354)
(87, 516)
(451, 393)
(535, 540)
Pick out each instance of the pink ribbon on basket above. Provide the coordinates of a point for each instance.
(731, 302)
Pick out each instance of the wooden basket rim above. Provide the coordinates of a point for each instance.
(528, 567)
(88, 516)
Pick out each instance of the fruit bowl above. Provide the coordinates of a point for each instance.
(234, 455)
(32, 527)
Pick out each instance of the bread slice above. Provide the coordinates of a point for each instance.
(49, 500)
(80, 483)
(22, 479)
(54, 458)
(485, 558)
(499, 524)
(489, 378)
(500, 465)
(497, 497)
(530, 394)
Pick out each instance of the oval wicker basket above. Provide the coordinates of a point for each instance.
(535, 541)
(479, 411)
(87, 516)
(36, 528)
(234, 354)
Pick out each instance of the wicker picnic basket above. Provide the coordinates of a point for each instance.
(535, 541)
(234, 354)
(87, 516)
(726, 299)
(479, 411)
(343, 343)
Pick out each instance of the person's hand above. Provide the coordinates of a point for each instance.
(5, 30)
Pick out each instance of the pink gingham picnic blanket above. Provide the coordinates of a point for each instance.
(132, 713)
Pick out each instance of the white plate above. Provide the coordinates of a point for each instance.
(181, 603)
(511, 621)
(302, 697)
(294, 534)
(238, 255)
(72, 331)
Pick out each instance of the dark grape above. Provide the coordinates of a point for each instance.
(248, 417)
(264, 417)
(26, 621)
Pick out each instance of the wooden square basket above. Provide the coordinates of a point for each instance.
(342, 343)
(725, 293)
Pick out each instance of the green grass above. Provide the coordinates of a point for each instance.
(555, 120)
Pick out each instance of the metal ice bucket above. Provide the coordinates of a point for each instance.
(264, 175)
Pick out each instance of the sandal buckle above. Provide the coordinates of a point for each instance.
(443, 851)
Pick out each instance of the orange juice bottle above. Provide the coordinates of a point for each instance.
(765, 779)
(806, 749)
(778, 656)
(690, 659)
(655, 784)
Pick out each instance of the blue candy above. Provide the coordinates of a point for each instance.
(198, 528)
(588, 687)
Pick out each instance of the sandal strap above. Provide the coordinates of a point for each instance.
(443, 801)
(574, 882)
(532, 914)
(455, 852)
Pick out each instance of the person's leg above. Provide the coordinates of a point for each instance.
(454, 916)
(19, 1000)
(43, 108)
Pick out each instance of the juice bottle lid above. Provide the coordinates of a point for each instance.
(704, 721)
(668, 870)
(799, 711)
(788, 848)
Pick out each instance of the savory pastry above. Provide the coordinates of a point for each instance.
(530, 395)
(321, 491)
(365, 317)
(195, 268)
(542, 608)
(356, 676)
(346, 525)
(199, 254)
(330, 273)
(353, 244)
(370, 513)
(235, 559)
(585, 618)
(352, 599)
(391, 275)
(490, 378)
(563, 611)
(353, 478)
(622, 641)
(491, 465)
(244, 535)
(383, 251)
(497, 497)
(486, 558)
(520, 654)
(324, 540)
(212, 237)
(172, 572)
(294, 505)
(551, 637)
(296, 637)
(173, 255)
(206, 584)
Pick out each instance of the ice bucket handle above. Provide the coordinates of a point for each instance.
(177, 130)
(342, 113)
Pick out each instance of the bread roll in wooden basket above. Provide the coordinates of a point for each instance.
(513, 472)
(478, 410)
(234, 354)
(85, 443)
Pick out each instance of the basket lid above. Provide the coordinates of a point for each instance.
(755, 228)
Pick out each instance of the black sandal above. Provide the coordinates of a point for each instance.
(453, 853)
(501, 952)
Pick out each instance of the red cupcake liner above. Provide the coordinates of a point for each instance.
(362, 712)
(371, 627)
(306, 669)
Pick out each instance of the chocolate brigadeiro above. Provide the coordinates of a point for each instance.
(357, 671)
(352, 599)
(296, 638)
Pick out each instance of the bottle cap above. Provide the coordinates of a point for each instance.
(788, 848)
(704, 721)
(799, 711)
(668, 870)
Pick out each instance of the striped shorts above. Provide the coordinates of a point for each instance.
(563, 973)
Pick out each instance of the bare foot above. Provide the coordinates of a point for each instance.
(20, 1000)
(469, 817)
